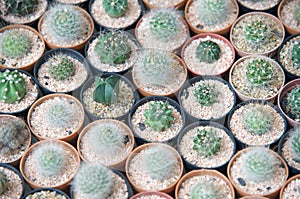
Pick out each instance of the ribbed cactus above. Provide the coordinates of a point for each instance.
(206, 142)
(61, 67)
(106, 90)
(206, 94)
(3, 182)
(295, 55)
(115, 8)
(158, 115)
(208, 51)
(113, 47)
(20, 7)
(259, 72)
(293, 102)
(257, 120)
(205, 190)
(12, 86)
(259, 164)
(256, 32)
(93, 181)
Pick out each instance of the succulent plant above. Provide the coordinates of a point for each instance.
(206, 94)
(259, 164)
(3, 182)
(115, 8)
(106, 90)
(257, 32)
(14, 44)
(113, 47)
(61, 67)
(259, 72)
(20, 7)
(295, 55)
(12, 86)
(297, 14)
(158, 115)
(205, 190)
(257, 120)
(294, 143)
(206, 142)
(208, 51)
(93, 181)
(293, 100)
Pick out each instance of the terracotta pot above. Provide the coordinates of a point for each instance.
(288, 29)
(178, 5)
(29, 66)
(272, 9)
(151, 193)
(253, 197)
(295, 177)
(68, 138)
(58, 192)
(203, 172)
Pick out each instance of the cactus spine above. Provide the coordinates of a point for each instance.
(206, 142)
(205, 190)
(259, 72)
(293, 101)
(257, 120)
(3, 182)
(208, 51)
(206, 94)
(115, 8)
(61, 67)
(257, 32)
(295, 55)
(106, 90)
(20, 7)
(294, 143)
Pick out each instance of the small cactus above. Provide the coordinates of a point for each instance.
(206, 142)
(61, 67)
(295, 55)
(106, 90)
(293, 101)
(158, 115)
(257, 32)
(259, 72)
(94, 181)
(294, 143)
(3, 182)
(12, 86)
(115, 8)
(297, 14)
(20, 7)
(206, 94)
(113, 48)
(257, 120)
(205, 190)
(208, 51)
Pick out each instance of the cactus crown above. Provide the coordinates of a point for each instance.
(257, 120)
(115, 8)
(294, 143)
(93, 181)
(259, 72)
(206, 142)
(205, 190)
(208, 51)
(295, 55)
(61, 67)
(259, 164)
(297, 15)
(3, 182)
(12, 86)
(293, 99)
(106, 90)
(206, 94)
(158, 115)
(113, 47)
(257, 32)
(20, 7)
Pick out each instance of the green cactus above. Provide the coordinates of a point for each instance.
(294, 143)
(259, 164)
(297, 14)
(259, 72)
(208, 51)
(205, 190)
(14, 44)
(295, 55)
(257, 32)
(206, 94)
(115, 8)
(61, 67)
(206, 142)
(20, 7)
(106, 90)
(12, 86)
(3, 182)
(93, 181)
(158, 115)
(113, 48)
(293, 101)
(257, 120)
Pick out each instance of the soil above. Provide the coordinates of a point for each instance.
(15, 186)
(259, 5)
(287, 14)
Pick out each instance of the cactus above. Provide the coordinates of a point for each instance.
(3, 182)
(206, 142)
(61, 67)
(259, 164)
(295, 55)
(14, 44)
(259, 72)
(12, 86)
(206, 94)
(257, 120)
(293, 101)
(94, 181)
(20, 7)
(208, 51)
(297, 14)
(205, 190)
(113, 47)
(257, 32)
(106, 90)
(158, 115)
(115, 8)
(293, 143)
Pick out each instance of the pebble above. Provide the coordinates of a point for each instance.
(242, 181)
(142, 126)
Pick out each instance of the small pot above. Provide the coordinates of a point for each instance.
(151, 193)
(290, 30)
(253, 197)
(286, 184)
(272, 9)
(58, 192)
(179, 5)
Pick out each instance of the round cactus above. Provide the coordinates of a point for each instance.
(12, 86)
(106, 90)
(257, 120)
(206, 142)
(256, 32)
(295, 55)
(3, 182)
(115, 8)
(293, 102)
(20, 7)
(205, 190)
(206, 94)
(259, 72)
(208, 51)
(61, 67)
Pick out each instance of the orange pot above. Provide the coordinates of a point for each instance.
(288, 29)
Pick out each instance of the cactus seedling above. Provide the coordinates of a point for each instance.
(259, 72)
(61, 67)
(12, 86)
(294, 143)
(206, 142)
(115, 8)
(208, 51)
(158, 115)
(206, 94)
(205, 190)
(256, 32)
(295, 55)
(257, 120)
(20, 7)
(106, 90)
(3, 182)
(293, 100)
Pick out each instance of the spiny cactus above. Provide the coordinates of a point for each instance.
(12, 86)
(113, 47)
(20, 7)
(61, 67)
(206, 94)
(257, 120)
(295, 55)
(257, 32)
(93, 181)
(206, 142)
(106, 90)
(293, 100)
(297, 14)
(3, 182)
(259, 72)
(205, 190)
(115, 8)
(208, 51)
(158, 115)
(294, 143)
(259, 164)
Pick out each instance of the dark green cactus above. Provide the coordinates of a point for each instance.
(20, 7)
(115, 8)
(158, 115)
(206, 94)
(208, 51)
(113, 48)
(61, 67)
(206, 142)
(295, 55)
(12, 86)
(205, 190)
(293, 100)
(259, 72)
(256, 32)
(257, 121)
(106, 90)
(3, 182)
